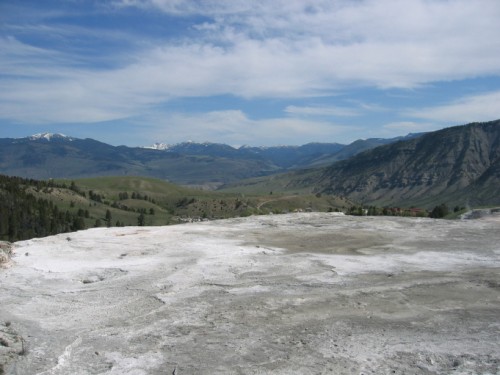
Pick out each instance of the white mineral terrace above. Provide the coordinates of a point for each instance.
(303, 293)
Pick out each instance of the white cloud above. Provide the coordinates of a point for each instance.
(417, 37)
(235, 128)
(384, 43)
(481, 107)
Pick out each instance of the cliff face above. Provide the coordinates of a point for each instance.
(461, 163)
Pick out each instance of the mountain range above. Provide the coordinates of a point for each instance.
(207, 165)
(458, 165)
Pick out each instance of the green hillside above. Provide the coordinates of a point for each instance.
(37, 208)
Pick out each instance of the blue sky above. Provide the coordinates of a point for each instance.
(253, 72)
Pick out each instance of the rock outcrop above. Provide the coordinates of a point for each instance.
(5, 253)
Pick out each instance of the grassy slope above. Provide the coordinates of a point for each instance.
(162, 197)
(170, 201)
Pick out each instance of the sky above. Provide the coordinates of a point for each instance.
(246, 72)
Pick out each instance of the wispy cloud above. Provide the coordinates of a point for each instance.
(234, 127)
(322, 111)
(481, 107)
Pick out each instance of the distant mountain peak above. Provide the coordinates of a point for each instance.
(158, 146)
(186, 146)
(49, 137)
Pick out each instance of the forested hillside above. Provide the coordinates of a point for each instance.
(31, 208)
(23, 215)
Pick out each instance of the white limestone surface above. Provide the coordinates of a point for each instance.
(304, 293)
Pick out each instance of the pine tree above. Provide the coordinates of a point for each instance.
(141, 221)
(108, 218)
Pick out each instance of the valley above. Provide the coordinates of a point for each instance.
(459, 166)
(430, 174)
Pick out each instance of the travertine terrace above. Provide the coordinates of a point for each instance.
(285, 294)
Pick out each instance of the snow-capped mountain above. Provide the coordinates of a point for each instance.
(49, 137)
(184, 146)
